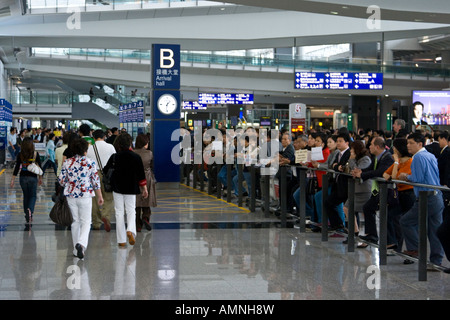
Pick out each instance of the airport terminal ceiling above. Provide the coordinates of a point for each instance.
(247, 25)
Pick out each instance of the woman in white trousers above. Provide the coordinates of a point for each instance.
(128, 180)
(81, 182)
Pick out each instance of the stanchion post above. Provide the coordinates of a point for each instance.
(188, 175)
(253, 188)
(351, 216)
(209, 180)
(194, 177)
(202, 177)
(182, 172)
(324, 208)
(282, 194)
(266, 186)
(382, 248)
(240, 186)
(423, 204)
(229, 186)
(219, 184)
(302, 200)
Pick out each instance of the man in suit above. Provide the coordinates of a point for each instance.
(339, 188)
(444, 164)
(418, 113)
(381, 161)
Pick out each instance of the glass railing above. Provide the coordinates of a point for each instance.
(405, 68)
(61, 6)
(53, 99)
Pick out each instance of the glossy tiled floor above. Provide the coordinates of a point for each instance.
(200, 248)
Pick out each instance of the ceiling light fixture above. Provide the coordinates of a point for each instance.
(334, 12)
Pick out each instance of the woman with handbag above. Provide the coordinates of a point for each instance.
(405, 193)
(29, 181)
(360, 159)
(81, 182)
(128, 181)
(143, 206)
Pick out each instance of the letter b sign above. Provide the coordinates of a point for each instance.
(166, 59)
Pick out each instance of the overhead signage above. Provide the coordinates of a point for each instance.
(339, 80)
(166, 66)
(193, 105)
(225, 98)
(131, 112)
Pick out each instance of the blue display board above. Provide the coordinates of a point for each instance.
(225, 98)
(339, 80)
(193, 105)
(166, 110)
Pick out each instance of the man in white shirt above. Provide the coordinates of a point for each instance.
(13, 147)
(105, 150)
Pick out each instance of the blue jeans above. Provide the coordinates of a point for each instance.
(223, 175)
(247, 178)
(318, 202)
(47, 164)
(409, 223)
(309, 208)
(13, 152)
(29, 189)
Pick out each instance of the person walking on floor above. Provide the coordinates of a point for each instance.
(143, 206)
(128, 180)
(100, 152)
(29, 181)
(81, 182)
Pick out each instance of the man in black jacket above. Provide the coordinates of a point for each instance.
(381, 161)
(339, 187)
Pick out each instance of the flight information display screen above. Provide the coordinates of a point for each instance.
(339, 80)
(225, 98)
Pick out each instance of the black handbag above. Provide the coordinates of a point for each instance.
(60, 213)
(393, 197)
(312, 186)
(107, 176)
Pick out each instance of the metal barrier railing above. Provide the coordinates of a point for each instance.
(383, 211)
(265, 195)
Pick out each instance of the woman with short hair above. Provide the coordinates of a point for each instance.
(80, 180)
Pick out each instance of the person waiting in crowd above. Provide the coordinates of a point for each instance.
(424, 170)
(143, 205)
(444, 165)
(339, 189)
(397, 126)
(21, 136)
(50, 155)
(81, 182)
(113, 136)
(128, 180)
(60, 150)
(249, 153)
(359, 159)
(332, 146)
(230, 152)
(381, 161)
(85, 133)
(300, 143)
(100, 152)
(320, 140)
(285, 156)
(29, 181)
(13, 147)
(432, 144)
(406, 197)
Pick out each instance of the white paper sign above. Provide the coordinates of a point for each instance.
(316, 154)
(302, 156)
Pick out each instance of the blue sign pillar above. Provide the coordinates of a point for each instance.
(166, 110)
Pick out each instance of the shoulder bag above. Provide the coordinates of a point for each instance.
(34, 167)
(107, 177)
(60, 213)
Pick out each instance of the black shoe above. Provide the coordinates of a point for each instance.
(147, 224)
(80, 251)
(369, 238)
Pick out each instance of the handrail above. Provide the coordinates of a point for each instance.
(285, 62)
(383, 183)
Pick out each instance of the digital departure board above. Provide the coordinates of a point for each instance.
(193, 105)
(339, 80)
(225, 98)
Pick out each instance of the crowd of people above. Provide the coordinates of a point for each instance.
(420, 157)
(80, 159)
